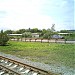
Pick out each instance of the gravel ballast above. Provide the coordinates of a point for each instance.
(50, 68)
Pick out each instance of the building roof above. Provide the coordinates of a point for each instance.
(35, 33)
(64, 33)
(14, 34)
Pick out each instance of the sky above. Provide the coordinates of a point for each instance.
(41, 14)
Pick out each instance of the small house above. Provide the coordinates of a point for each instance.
(35, 35)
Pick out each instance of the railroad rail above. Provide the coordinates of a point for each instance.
(6, 71)
(18, 68)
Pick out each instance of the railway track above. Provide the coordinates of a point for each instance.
(12, 67)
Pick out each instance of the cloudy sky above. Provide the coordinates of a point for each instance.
(19, 14)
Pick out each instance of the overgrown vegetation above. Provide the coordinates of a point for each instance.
(43, 33)
(48, 53)
(3, 38)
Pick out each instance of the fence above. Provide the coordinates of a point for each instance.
(39, 40)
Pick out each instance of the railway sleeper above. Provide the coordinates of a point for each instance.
(21, 68)
(18, 68)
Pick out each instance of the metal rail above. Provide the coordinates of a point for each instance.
(7, 70)
(31, 68)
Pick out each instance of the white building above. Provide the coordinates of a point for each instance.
(35, 35)
(14, 34)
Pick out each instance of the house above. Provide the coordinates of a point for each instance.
(14, 34)
(35, 35)
(64, 33)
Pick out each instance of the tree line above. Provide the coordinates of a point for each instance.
(43, 33)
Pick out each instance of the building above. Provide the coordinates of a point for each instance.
(35, 35)
(14, 34)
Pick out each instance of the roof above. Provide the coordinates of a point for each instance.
(64, 33)
(35, 33)
(15, 34)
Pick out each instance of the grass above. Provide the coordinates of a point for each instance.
(48, 53)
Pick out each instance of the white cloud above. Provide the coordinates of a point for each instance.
(24, 14)
(31, 13)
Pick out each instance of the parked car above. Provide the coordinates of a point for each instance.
(57, 37)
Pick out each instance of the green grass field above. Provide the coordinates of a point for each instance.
(48, 53)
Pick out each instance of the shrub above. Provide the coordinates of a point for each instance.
(3, 38)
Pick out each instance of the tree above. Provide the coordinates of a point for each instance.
(48, 34)
(8, 32)
(27, 35)
(22, 31)
(3, 38)
(43, 31)
(64, 31)
(34, 30)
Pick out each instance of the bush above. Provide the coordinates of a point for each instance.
(3, 38)
(27, 35)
